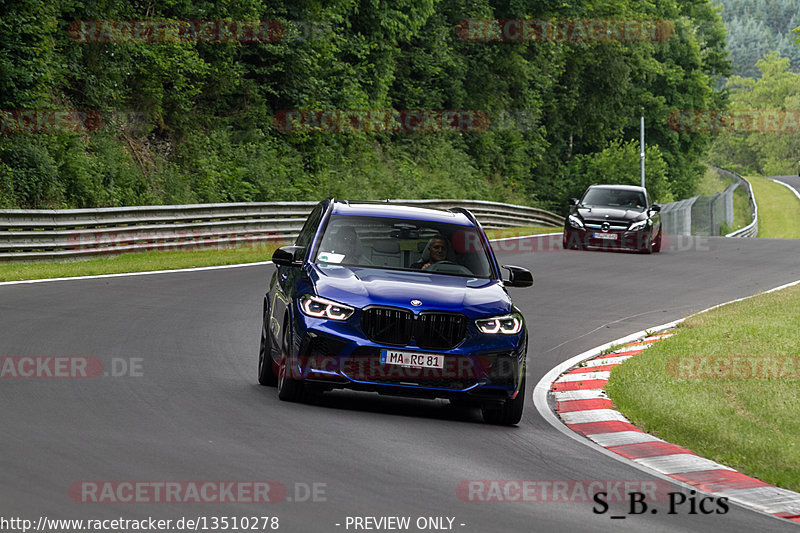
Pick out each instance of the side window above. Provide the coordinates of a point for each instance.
(309, 228)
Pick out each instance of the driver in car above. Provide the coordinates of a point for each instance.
(345, 242)
(435, 251)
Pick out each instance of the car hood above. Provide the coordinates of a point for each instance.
(611, 213)
(360, 287)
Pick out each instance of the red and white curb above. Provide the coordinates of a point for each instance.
(577, 388)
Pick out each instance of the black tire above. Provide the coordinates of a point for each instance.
(289, 389)
(508, 413)
(568, 242)
(647, 248)
(266, 374)
(657, 243)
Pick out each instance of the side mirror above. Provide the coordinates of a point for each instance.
(574, 201)
(655, 207)
(518, 277)
(289, 255)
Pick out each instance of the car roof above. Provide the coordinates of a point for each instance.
(387, 209)
(619, 187)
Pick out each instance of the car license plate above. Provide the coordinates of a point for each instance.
(411, 359)
(607, 236)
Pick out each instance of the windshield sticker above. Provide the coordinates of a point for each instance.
(330, 257)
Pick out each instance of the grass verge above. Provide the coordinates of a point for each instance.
(516, 232)
(145, 261)
(777, 210)
(135, 262)
(727, 387)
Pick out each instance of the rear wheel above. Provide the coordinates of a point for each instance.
(507, 413)
(289, 389)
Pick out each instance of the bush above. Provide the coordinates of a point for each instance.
(30, 173)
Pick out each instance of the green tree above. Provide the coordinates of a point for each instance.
(761, 151)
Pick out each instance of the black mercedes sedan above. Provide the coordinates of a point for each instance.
(619, 217)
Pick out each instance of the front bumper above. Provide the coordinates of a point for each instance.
(611, 239)
(482, 367)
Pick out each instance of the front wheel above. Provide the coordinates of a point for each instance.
(570, 242)
(289, 389)
(647, 246)
(657, 242)
(508, 413)
(266, 376)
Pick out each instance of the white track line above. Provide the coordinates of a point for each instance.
(789, 187)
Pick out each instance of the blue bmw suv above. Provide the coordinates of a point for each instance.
(397, 300)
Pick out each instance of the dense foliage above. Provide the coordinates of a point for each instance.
(769, 111)
(191, 121)
(756, 27)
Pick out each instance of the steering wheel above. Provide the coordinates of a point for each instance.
(432, 265)
(449, 267)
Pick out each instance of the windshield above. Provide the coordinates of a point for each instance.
(620, 198)
(404, 244)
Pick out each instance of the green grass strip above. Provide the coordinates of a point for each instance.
(146, 261)
(134, 262)
(518, 232)
(727, 387)
(777, 209)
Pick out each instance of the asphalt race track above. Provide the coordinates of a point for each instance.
(191, 409)
(792, 181)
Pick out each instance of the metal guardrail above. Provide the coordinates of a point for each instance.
(751, 230)
(704, 215)
(75, 233)
(676, 217)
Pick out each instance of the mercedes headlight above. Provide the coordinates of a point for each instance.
(575, 222)
(642, 224)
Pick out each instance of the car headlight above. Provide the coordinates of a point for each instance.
(506, 324)
(575, 222)
(636, 226)
(317, 307)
